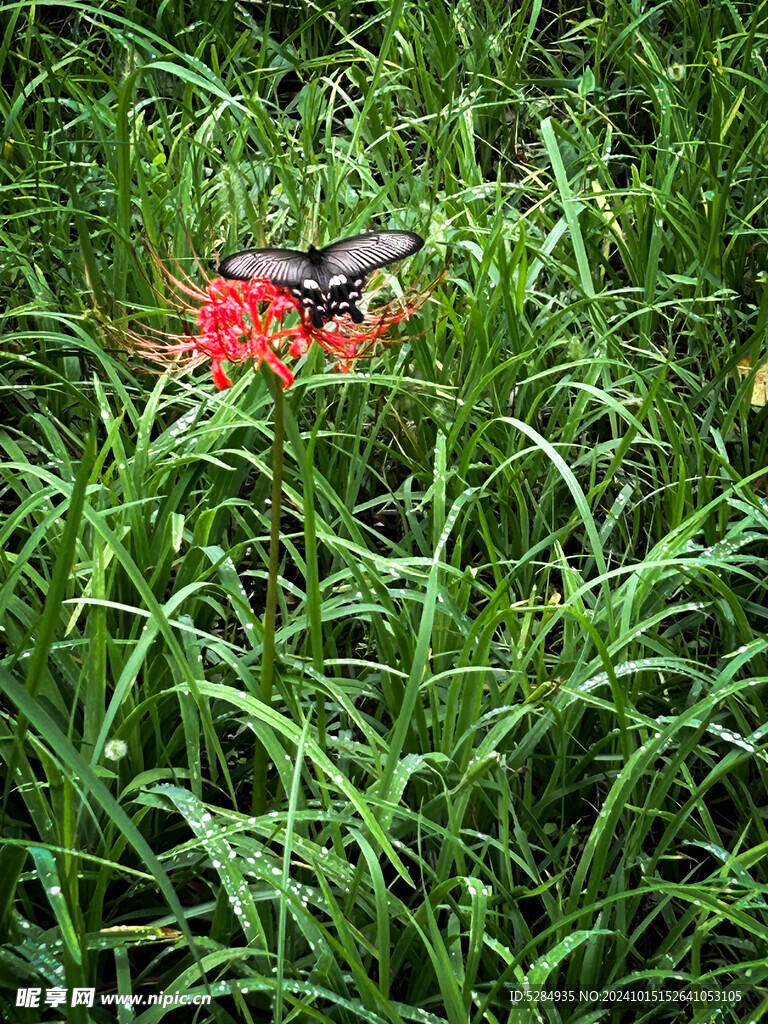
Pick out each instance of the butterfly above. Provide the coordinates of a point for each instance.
(327, 282)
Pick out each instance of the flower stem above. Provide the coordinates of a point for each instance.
(260, 759)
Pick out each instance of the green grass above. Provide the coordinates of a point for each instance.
(523, 553)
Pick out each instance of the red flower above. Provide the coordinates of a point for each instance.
(237, 323)
(240, 321)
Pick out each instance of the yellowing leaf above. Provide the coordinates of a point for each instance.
(759, 385)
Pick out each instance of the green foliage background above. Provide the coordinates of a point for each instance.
(524, 552)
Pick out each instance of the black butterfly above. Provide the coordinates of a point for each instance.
(327, 282)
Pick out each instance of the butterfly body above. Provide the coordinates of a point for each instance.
(327, 282)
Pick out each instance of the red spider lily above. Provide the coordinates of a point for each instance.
(244, 320)
(237, 321)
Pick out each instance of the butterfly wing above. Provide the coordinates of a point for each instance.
(301, 274)
(359, 255)
(350, 260)
(285, 268)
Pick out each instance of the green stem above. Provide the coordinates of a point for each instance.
(305, 455)
(313, 586)
(260, 760)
